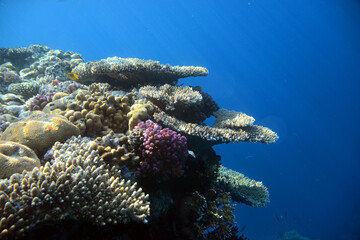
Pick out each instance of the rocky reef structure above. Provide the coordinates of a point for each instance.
(117, 151)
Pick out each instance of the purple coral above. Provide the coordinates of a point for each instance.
(40, 101)
(163, 151)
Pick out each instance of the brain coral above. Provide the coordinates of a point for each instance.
(162, 151)
(15, 158)
(40, 131)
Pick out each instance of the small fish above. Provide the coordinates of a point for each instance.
(192, 154)
(55, 82)
(72, 76)
(242, 229)
(280, 218)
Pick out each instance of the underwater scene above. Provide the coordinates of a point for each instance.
(180, 119)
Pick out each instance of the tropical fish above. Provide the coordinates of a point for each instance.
(72, 76)
(280, 218)
(192, 154)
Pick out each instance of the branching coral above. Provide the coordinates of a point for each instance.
(78, 184)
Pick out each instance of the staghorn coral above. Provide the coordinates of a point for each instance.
(162, 151)
(15, 157)
(218, 135)
(78, 185)
(241, 188)
(131, 72)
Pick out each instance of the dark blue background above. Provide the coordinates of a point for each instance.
(293, 65)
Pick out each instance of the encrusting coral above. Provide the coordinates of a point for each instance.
(77, 185)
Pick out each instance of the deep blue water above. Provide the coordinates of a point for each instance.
(293, 65)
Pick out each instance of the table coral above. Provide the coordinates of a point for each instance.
(131, 72)
(214, 135)
(241, 188)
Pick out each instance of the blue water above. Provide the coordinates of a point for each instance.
(293, 65)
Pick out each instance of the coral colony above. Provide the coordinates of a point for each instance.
(115, 149)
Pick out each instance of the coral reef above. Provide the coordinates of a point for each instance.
(241, 188)
(132, 72)
(76, 185)
(15, 157)
(94, 146)
(162, 151)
